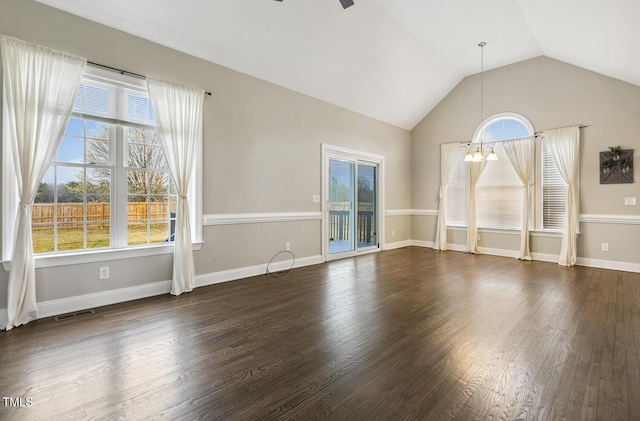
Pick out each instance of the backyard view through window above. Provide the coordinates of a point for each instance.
(151, 198)
(109, 184)
(73, 207)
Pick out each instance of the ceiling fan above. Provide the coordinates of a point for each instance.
(344, 3)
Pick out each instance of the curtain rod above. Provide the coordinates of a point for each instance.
(125, 72)
(536, 134)
(581, 126)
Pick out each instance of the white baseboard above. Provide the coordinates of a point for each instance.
(4, 317)
(397, 245)
(544, 257)
(456, 247)
(420, 243)
(99, 299)
(498, 252)
(608, 264)
(246, 272)
(82, 302)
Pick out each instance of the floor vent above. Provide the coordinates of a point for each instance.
(73, 315)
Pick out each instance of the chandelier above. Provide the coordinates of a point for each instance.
(478, 155)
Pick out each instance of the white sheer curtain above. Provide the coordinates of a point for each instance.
(564, 144)
(448, 155)
(521, 154)
(178, 113)
(475, 170)
(40, 85)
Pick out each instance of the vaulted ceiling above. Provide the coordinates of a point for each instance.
(392, 60)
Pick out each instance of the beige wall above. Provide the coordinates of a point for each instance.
(550, 94)
(262, 152)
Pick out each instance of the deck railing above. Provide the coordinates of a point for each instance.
(339, 226)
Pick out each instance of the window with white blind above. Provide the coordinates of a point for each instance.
(109, 186)
(457, 191)
(554, 192)
(499, 190)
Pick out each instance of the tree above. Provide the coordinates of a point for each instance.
(66, 193)
(45, 193)
(365, 192)
(145, 158)
(338, 192)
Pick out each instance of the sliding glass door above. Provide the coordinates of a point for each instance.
(367, 205)
(352, 206)
(341, 206)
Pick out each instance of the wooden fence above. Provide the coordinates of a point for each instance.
(73, 213)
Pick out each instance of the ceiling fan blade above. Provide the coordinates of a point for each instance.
(346, 3)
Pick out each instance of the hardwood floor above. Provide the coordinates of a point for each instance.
(404, 334)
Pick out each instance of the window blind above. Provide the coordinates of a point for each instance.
(499, 194)
(457, 191)
(554, 192)
(113, 101)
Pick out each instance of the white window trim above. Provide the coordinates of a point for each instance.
(103, 255)
(10, 203)
(337, 152)
(489, 120)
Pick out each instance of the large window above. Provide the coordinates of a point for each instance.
(101, 155)
(109, 185)
(499, 190)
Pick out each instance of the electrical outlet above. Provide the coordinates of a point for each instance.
(104, 272)
(287, 246)
(629, 201)
(605, 246)
(315, 198)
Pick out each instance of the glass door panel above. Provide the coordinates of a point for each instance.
(341, 206)
(367, 201)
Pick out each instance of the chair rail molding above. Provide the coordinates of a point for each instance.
(256, 218)
(610, 219)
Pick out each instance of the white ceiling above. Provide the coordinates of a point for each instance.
(392, 60)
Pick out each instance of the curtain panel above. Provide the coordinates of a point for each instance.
(564, 144)
(448, 155)
(521, 154)
(40, 85)
(178, 113)
(475, 171)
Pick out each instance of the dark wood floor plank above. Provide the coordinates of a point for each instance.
(633, 350)
(404, 334)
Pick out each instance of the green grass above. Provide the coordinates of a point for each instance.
(97, 237)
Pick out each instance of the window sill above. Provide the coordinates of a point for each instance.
(533, 233)
(65, 259)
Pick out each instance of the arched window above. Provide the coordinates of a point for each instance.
(499, 190)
